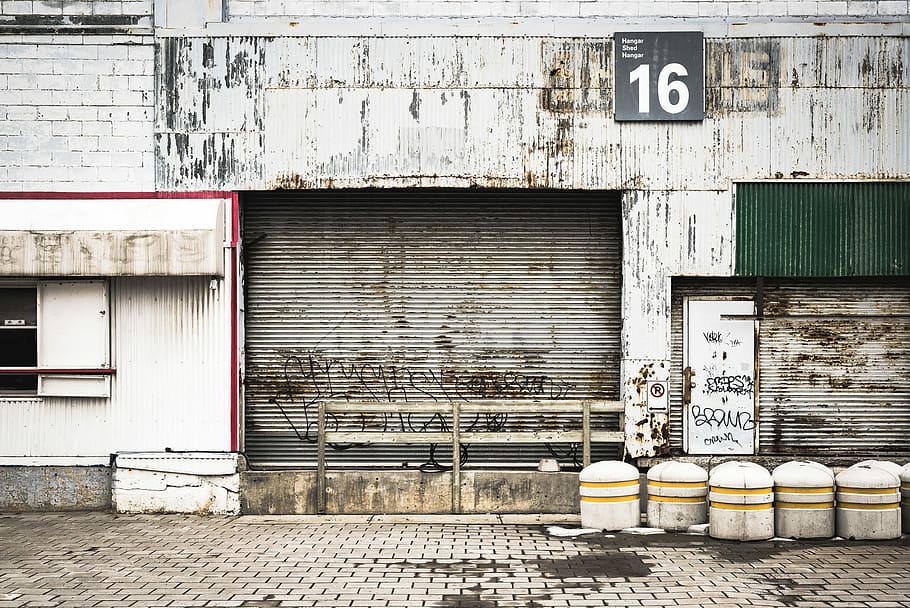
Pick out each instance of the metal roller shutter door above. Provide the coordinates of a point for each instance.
(429, 295)
(835, 369)
(834, 361)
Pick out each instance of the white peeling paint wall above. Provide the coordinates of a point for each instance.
(263, 113)
(667, 233)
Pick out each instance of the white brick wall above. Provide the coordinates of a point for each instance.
(76, 113)
(76, 7)
(247, 10)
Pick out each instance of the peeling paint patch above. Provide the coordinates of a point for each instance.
(578, 76)
(646, 434)
(176, 483)
(742, 75)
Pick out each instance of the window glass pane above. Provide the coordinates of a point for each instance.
(18, 307)
(18, 337)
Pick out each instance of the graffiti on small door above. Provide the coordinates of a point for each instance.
(720, 416)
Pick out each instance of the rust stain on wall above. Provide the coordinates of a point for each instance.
(647, 434)
(578, 76)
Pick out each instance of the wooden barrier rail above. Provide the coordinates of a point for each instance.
(456, 437)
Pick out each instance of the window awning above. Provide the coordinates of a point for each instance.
(112, 237)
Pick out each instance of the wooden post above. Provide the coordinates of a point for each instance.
(320, 460)
(456, 457)
(586, 433)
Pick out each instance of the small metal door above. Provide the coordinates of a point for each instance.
(719, 377)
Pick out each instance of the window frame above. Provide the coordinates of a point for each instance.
(88, 378)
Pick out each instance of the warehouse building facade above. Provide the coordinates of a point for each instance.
(393, 257)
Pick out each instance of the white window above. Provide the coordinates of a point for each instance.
(55, 339)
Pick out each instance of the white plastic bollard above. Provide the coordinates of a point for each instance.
(803, 500)
(610, 496)
(742, 502)
(677, 495)
(868, 504)
(891, 467)
(905, 497)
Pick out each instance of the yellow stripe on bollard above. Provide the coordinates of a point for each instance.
(804, 505)
(678, 484)
(733, 507)
(609, 484)
(844, 490)
(686, 499)
(788, 490)
(626, 498)
(749, 491)
(856, 505)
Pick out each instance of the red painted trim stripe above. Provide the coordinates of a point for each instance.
(27, 371)
(62, 196)
(235, 322)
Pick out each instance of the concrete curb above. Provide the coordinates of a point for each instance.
(442, 518)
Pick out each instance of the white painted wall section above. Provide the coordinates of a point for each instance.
(156, 482)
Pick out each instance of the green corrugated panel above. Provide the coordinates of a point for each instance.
(823, 229)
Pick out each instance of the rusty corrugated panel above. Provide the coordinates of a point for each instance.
(171, 349)
(835, 369)
(396, 296)
(847, 132)
(843, 105)
(823, 229)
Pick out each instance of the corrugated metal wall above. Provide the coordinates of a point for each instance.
(311, 112)
(432, 295)
(834, 365)
(823, 229)
(171, 349)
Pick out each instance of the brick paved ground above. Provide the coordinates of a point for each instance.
(97, 559)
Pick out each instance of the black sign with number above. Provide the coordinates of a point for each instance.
(659, 75)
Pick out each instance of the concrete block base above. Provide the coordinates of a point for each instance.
(377, 492)
(676, 517)
(171, 482)
(728, 524)
(55, 488)
(611, 516)
(804, 523)
(861, 524)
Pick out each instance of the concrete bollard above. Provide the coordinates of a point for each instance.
(905, 498)
(610, 496)
(677, 495)
(741, 502)
(868, 504)
(803, 500)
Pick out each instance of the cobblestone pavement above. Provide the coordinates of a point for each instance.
(98, 559)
